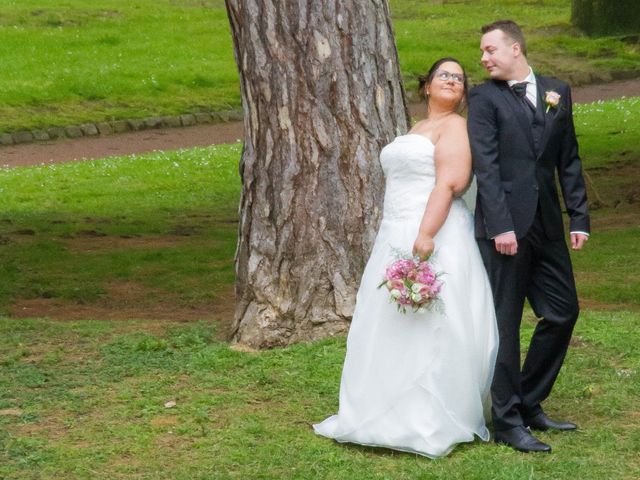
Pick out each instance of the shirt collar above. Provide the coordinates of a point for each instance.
(531, 78)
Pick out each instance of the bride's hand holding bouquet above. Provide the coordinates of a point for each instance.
(423, 247)
(412, 280)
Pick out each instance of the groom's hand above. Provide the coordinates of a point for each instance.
(578, 240)
(507, 243)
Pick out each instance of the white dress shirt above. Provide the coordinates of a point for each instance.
(532, 87)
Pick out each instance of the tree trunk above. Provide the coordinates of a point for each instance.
(322, 93)
(606, 17)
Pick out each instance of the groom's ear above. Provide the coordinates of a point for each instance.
(516, 48)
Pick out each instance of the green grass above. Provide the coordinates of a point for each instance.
(165, 221)
(77, 234)
(88, 402)
(426, 31)
(77, 61)
(606, 131)
(85, 399)
(607, 270)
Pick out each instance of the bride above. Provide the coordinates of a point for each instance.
(420, 382)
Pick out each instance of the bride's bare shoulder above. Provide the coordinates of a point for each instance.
(456, 121)
(455, 125)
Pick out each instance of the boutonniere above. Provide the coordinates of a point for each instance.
(552, 99)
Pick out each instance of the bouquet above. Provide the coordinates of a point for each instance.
(412, 282)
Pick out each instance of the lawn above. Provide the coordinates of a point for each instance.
(154, 235)
(135, 255)
(76, 61)
(148, 236)
(87, 400)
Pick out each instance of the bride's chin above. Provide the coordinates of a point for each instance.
(452, 105)
(450, 96)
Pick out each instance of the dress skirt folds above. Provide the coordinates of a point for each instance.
(418, 382)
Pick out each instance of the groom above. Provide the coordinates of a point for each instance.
(521, 132)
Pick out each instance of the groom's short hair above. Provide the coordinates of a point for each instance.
(510, 29)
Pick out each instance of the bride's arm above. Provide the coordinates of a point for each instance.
(453, 170)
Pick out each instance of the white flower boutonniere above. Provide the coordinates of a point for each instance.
(552, 99)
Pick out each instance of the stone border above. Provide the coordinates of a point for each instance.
(189, 119)
(118, 126)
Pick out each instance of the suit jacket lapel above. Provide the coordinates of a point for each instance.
(549, 117)
(517, 108)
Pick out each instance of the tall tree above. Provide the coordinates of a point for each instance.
(604, 17)
(321, 93)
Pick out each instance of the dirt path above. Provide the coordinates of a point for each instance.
(202, 135)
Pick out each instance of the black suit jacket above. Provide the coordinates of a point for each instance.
(513, 176)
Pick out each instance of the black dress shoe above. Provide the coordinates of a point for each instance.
(542, 422)
(519, 438)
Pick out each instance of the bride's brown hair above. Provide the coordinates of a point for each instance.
(424, 80)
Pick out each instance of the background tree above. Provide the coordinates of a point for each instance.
(605, 17)
(321, 93)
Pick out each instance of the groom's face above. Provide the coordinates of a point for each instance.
(498, 55)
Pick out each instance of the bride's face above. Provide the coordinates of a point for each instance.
(447, 85)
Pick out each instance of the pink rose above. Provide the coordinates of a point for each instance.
(552, 99)
(426, 291)
(426, 277)
(395, 284)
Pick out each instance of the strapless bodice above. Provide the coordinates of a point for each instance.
(410, 175)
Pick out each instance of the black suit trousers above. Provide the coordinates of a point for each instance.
(541, 272)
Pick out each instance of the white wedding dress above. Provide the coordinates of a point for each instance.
(418, 382)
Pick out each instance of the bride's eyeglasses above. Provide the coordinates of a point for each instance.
(445, 76)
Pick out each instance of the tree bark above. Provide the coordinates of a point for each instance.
(606, 17)
(321, 93)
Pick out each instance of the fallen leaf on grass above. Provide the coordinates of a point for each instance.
(13, 412)
(241, 347)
